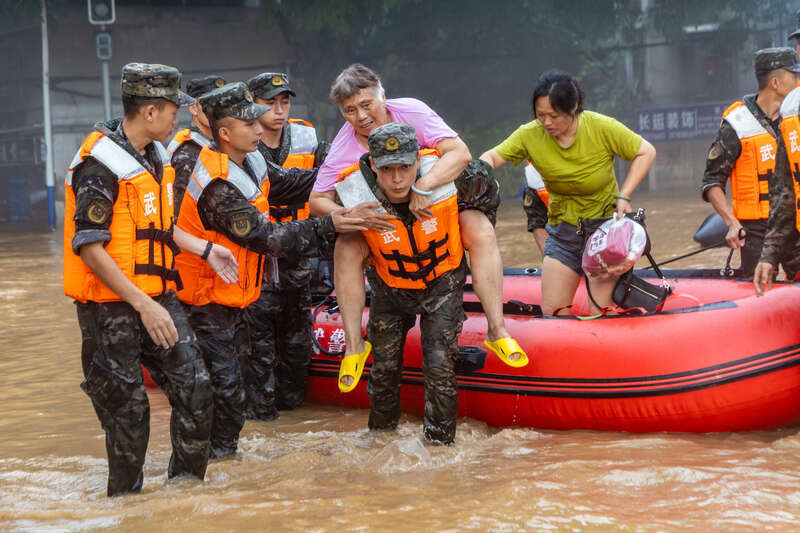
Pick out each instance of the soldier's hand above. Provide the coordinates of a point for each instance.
(224, 263)
(762, 278)
(158, 323)
(344, 221)
(735, 237)
(370, 218)
(420, 204)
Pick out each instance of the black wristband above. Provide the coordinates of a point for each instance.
(207, 251)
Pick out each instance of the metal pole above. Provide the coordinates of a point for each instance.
(106, 86)
(106, 91)
(48, 129)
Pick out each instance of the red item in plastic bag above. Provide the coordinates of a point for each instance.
(614, 242)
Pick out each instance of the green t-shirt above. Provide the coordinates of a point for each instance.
(580, 178)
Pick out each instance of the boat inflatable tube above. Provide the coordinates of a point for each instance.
(715, 359)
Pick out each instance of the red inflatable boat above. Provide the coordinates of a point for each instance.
(716, 359)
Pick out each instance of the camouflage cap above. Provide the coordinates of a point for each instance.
(796, 33)
(231, 100)
(770, 59)
(154, 81)
(269, 84)
(392, 144)
(198, 86)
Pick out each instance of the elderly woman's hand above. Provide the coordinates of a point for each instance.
(419, 205)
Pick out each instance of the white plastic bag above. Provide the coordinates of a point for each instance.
(614, 247)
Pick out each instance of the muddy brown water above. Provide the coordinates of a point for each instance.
(319, 469)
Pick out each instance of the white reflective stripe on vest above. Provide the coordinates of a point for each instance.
(533, 178)
(243, 181)
(199, 138)
(238, 177)
(116, 159)
(166, 157)
(258, 165)
(744, 122)
(791, 104)
(354, 190)
(303, 139)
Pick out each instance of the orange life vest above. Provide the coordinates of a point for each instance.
(187, 135)
(303, 138)
(535, 182)
(410, 256)
(141, 225)
(201, 285)
(754, 167)
(790, 131)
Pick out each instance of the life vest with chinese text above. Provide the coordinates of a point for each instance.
(141, 225)
(412, 255)
(754, 167)
(201, 285)
(790, 131)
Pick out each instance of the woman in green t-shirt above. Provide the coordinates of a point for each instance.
(573, 150)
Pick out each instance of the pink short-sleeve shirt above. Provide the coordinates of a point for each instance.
(346, 150)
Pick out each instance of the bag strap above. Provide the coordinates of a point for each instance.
(605, 309)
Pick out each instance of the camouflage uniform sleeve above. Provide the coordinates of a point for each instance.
(183, 161)
(781, 223)
(224, 209)
(290, 185)
(534, 209)
(722, 156)
(96, 191)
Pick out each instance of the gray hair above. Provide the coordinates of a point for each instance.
(351, 80)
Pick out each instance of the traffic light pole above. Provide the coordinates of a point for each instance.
(48, 129)
(106, 86)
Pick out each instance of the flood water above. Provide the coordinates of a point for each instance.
(319, 469)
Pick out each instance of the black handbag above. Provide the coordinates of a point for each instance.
(633, 292)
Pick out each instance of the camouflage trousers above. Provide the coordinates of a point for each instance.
(224, 339)
(392, 314)
(478, 189)
(751, 251)
(114, 345)
(276, 370)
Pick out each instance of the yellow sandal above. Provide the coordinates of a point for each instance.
(353, 365)
(504, 348)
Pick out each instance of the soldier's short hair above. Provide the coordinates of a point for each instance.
(351, 80)
(132, 104)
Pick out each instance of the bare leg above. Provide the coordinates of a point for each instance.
(348, 278)
(601, 292)
(480, 241)
(559, 283)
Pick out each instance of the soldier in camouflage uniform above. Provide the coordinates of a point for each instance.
(225, 203)
(128, 319)
(390, 170)
(776, 70)
(276, 375)
(782, 239)
(186, 144)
